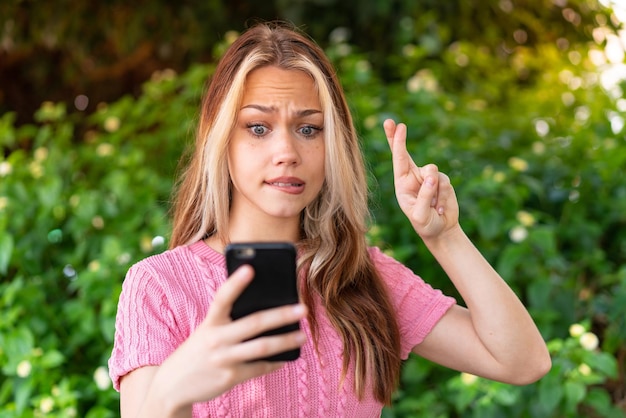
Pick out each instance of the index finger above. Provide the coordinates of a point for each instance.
(396, 136)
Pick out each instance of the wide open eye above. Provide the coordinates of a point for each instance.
(309, 131)
(257, 129)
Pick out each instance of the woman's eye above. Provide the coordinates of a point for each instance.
(309, 131)
(257, 130)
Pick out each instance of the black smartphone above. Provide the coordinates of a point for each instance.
(274, 284)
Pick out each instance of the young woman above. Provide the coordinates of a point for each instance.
(277, 159)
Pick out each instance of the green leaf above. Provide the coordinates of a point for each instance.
(507, 395)
(100, 412)
(17, 344)
(23, 389)
(550, 392)
(6, 251)
(605, 363)
(601, 402)
(574, 393)
(51, 359)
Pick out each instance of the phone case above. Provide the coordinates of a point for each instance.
(274, 283)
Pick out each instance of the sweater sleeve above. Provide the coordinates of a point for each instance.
(418, 306)
(145, 331)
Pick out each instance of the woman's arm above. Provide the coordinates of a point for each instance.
(134, 389)
(217, 356)
(494, 337)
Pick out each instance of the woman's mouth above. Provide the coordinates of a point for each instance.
(279, 184)
(291, 185)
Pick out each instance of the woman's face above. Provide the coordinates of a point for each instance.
(276, 151)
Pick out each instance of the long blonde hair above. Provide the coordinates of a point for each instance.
(333, 246)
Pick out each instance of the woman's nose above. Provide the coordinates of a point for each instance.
(286, 149)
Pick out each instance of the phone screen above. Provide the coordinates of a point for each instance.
(274, 283)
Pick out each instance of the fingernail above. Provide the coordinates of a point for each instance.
(300, 337)
(429, 181)
(244, 272)
(299, 309)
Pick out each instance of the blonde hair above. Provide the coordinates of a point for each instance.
(334, 251)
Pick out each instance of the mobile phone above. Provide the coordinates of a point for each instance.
(274, 284)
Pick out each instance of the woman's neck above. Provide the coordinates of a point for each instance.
(248, 231)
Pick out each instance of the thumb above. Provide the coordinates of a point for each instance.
(227, 294)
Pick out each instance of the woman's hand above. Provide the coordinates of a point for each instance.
(494, 336)
(424, 194)
(218, 355)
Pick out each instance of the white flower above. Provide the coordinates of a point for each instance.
(231, 36)
(461, 59)
(36, 169)
(158, 241)
(93, 265)
(518, 234)
(576, 330)
(23, 368)
(101, 377)
(112, 124)
(525, 218)
(105, 149)
(542, 127)
(584, 369)
(41, 154)
(371, 122)
(422, 80)
(343, 50)
(145, 244)
(363, 66)
(499, 177)
(518, 164)
(123, 258)
(46, 405)
(539, 148)
(468, 378)
(5, 168)
(589, 341)
(413, 84)
(74, 200)
(568, 98)
(409, 50)
(167, 74)
(97, 222)
(339, 35)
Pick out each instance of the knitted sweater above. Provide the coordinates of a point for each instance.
(166, 296)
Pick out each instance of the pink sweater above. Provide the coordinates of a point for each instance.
(165, 297)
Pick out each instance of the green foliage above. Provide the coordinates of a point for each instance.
(571, 388)
(60, 50)
(531, 140)
(80, 201)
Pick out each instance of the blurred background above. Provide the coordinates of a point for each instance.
(520, 102)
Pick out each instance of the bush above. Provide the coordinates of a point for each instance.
(80, 201)
(536, 168)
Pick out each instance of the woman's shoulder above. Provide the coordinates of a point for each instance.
(191, 260)
(398, 277)
(162, 260)
(196, 253)
(384, 260)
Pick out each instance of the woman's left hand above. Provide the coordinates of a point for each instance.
(424, 194)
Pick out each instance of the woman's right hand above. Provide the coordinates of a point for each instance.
(218, 354)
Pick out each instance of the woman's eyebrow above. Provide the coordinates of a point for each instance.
(272, 109)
